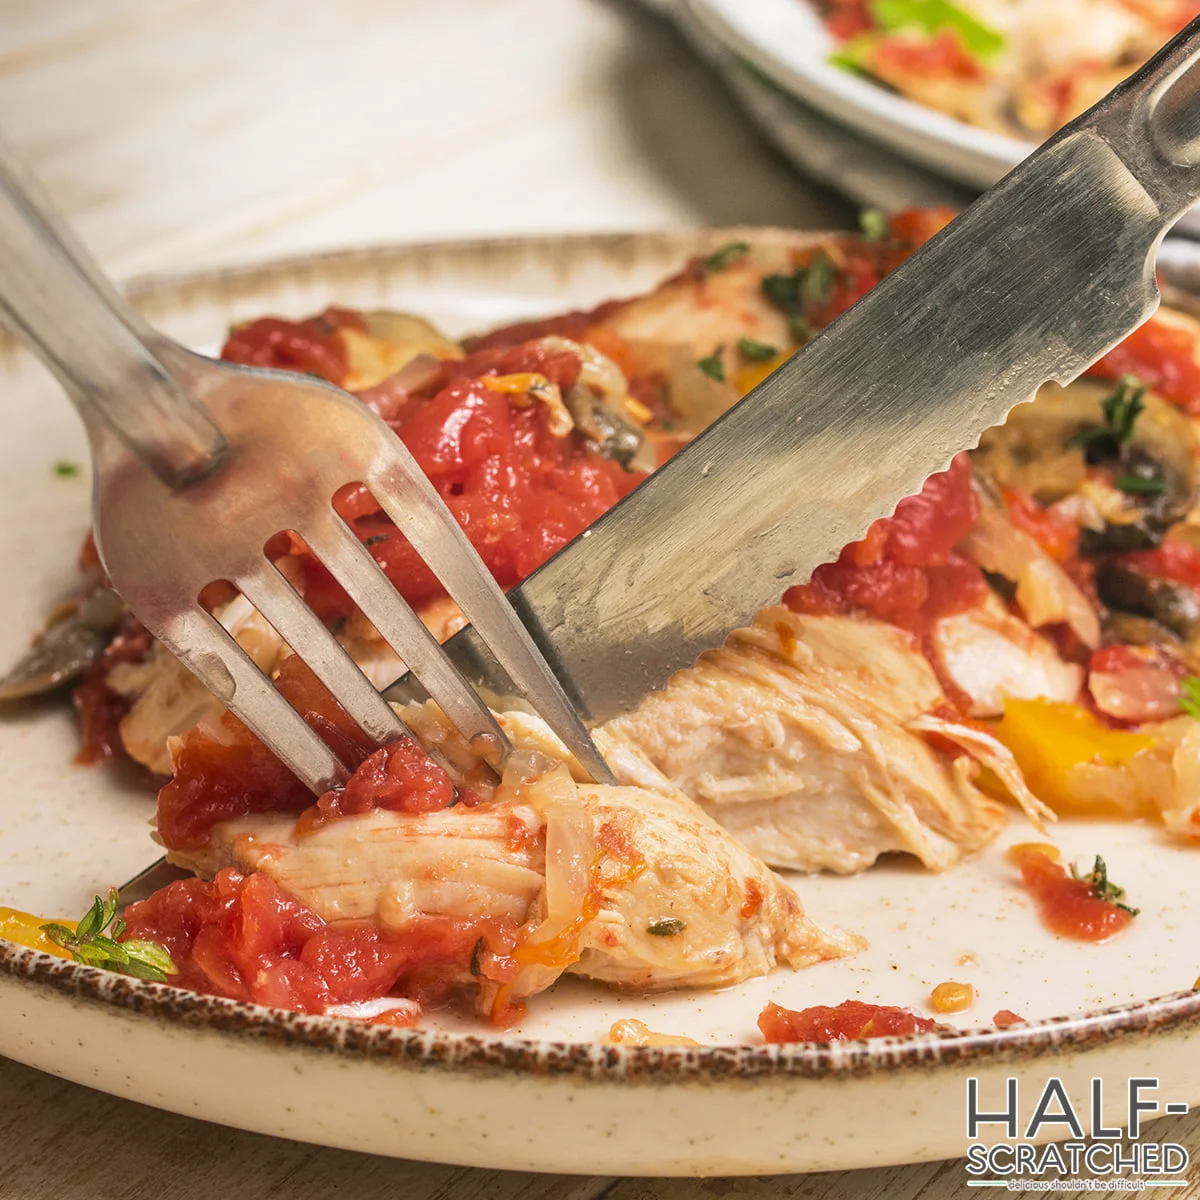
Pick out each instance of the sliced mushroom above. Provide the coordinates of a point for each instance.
(78, 633)
(1172, 604)
(1040, 450)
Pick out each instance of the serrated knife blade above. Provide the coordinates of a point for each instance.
(1034, 282)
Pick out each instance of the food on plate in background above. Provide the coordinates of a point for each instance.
(1018, 67)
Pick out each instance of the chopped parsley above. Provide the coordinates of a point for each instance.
(89, 943)
(712, 366)
(65, 469)
(375, 539)
(873, 224)
(930, 17)
(1189, 701)
(1140, 485)
(666, 927)
(756, 351)
(926, 18)
(1103, 888)
(726, 256)
(1121, 410)
(805, 288)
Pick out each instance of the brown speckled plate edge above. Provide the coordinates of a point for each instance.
(585, 1060)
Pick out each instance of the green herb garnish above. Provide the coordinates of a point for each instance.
(65, 469)
(728, 254)
(1139, 485)
(1121, 410)
(873, 224)
(930, 17)
(666, 926)
(375, 539)
(818, 279)
(805, 287)
(712, 366)
(1103, 888)
(756, 351)
(91, 945)
(1189, 701)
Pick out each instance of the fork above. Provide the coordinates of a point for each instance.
(199, 463)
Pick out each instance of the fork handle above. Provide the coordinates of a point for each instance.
(55, 297)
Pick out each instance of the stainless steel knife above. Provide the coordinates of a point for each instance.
(1034, 282)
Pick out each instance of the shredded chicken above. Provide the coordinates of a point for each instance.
(638, 889)
(801, 736)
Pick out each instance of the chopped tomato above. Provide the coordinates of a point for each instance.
(1068, 906)
(1055, 534)
(1006, 1018)
(307, 346)
(224, 771)
(913, 227)
(1175, 560)
(905, 570)
(941, 56)
(1135, 684)
(519, 491)
(848, 1021)
(242, 937)
(1163, 357)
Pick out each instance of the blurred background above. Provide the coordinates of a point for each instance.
(176, 133)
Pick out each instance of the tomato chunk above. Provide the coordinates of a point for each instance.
(241, 937)
(848, 1021)
(1068, 906)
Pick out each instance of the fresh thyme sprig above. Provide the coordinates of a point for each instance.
(1189, 700)
(1102, 887)
(1121, 410)
(94, 943)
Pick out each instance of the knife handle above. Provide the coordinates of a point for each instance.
(1152, 121)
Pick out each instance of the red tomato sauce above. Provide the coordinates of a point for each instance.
(1163, 357)
(243, 938)
(1067, 905)
(308, 347)
(1173, 560)
(224, 771)
(847, 1022)
(941, 56)
(520, 492)
(905, 570)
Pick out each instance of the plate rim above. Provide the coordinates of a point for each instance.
(594, 1061)
(856, 100)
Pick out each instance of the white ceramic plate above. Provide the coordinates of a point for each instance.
(787, 41)
(550, 1096)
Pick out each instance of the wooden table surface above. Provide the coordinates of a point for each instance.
(176, 133)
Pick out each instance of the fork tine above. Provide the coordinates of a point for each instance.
(406, 495)
(274, 597)
(210, 652)
(337, 547)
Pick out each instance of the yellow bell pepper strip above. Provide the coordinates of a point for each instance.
(1059, 747)
(26, 930)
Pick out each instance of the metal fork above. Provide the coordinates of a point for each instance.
(199, 463)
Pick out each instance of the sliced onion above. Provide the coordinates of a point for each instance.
(368, 1010)
(990, 752)
(1046, 594)
(388, 397)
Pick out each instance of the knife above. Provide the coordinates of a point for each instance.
(1035, 281)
